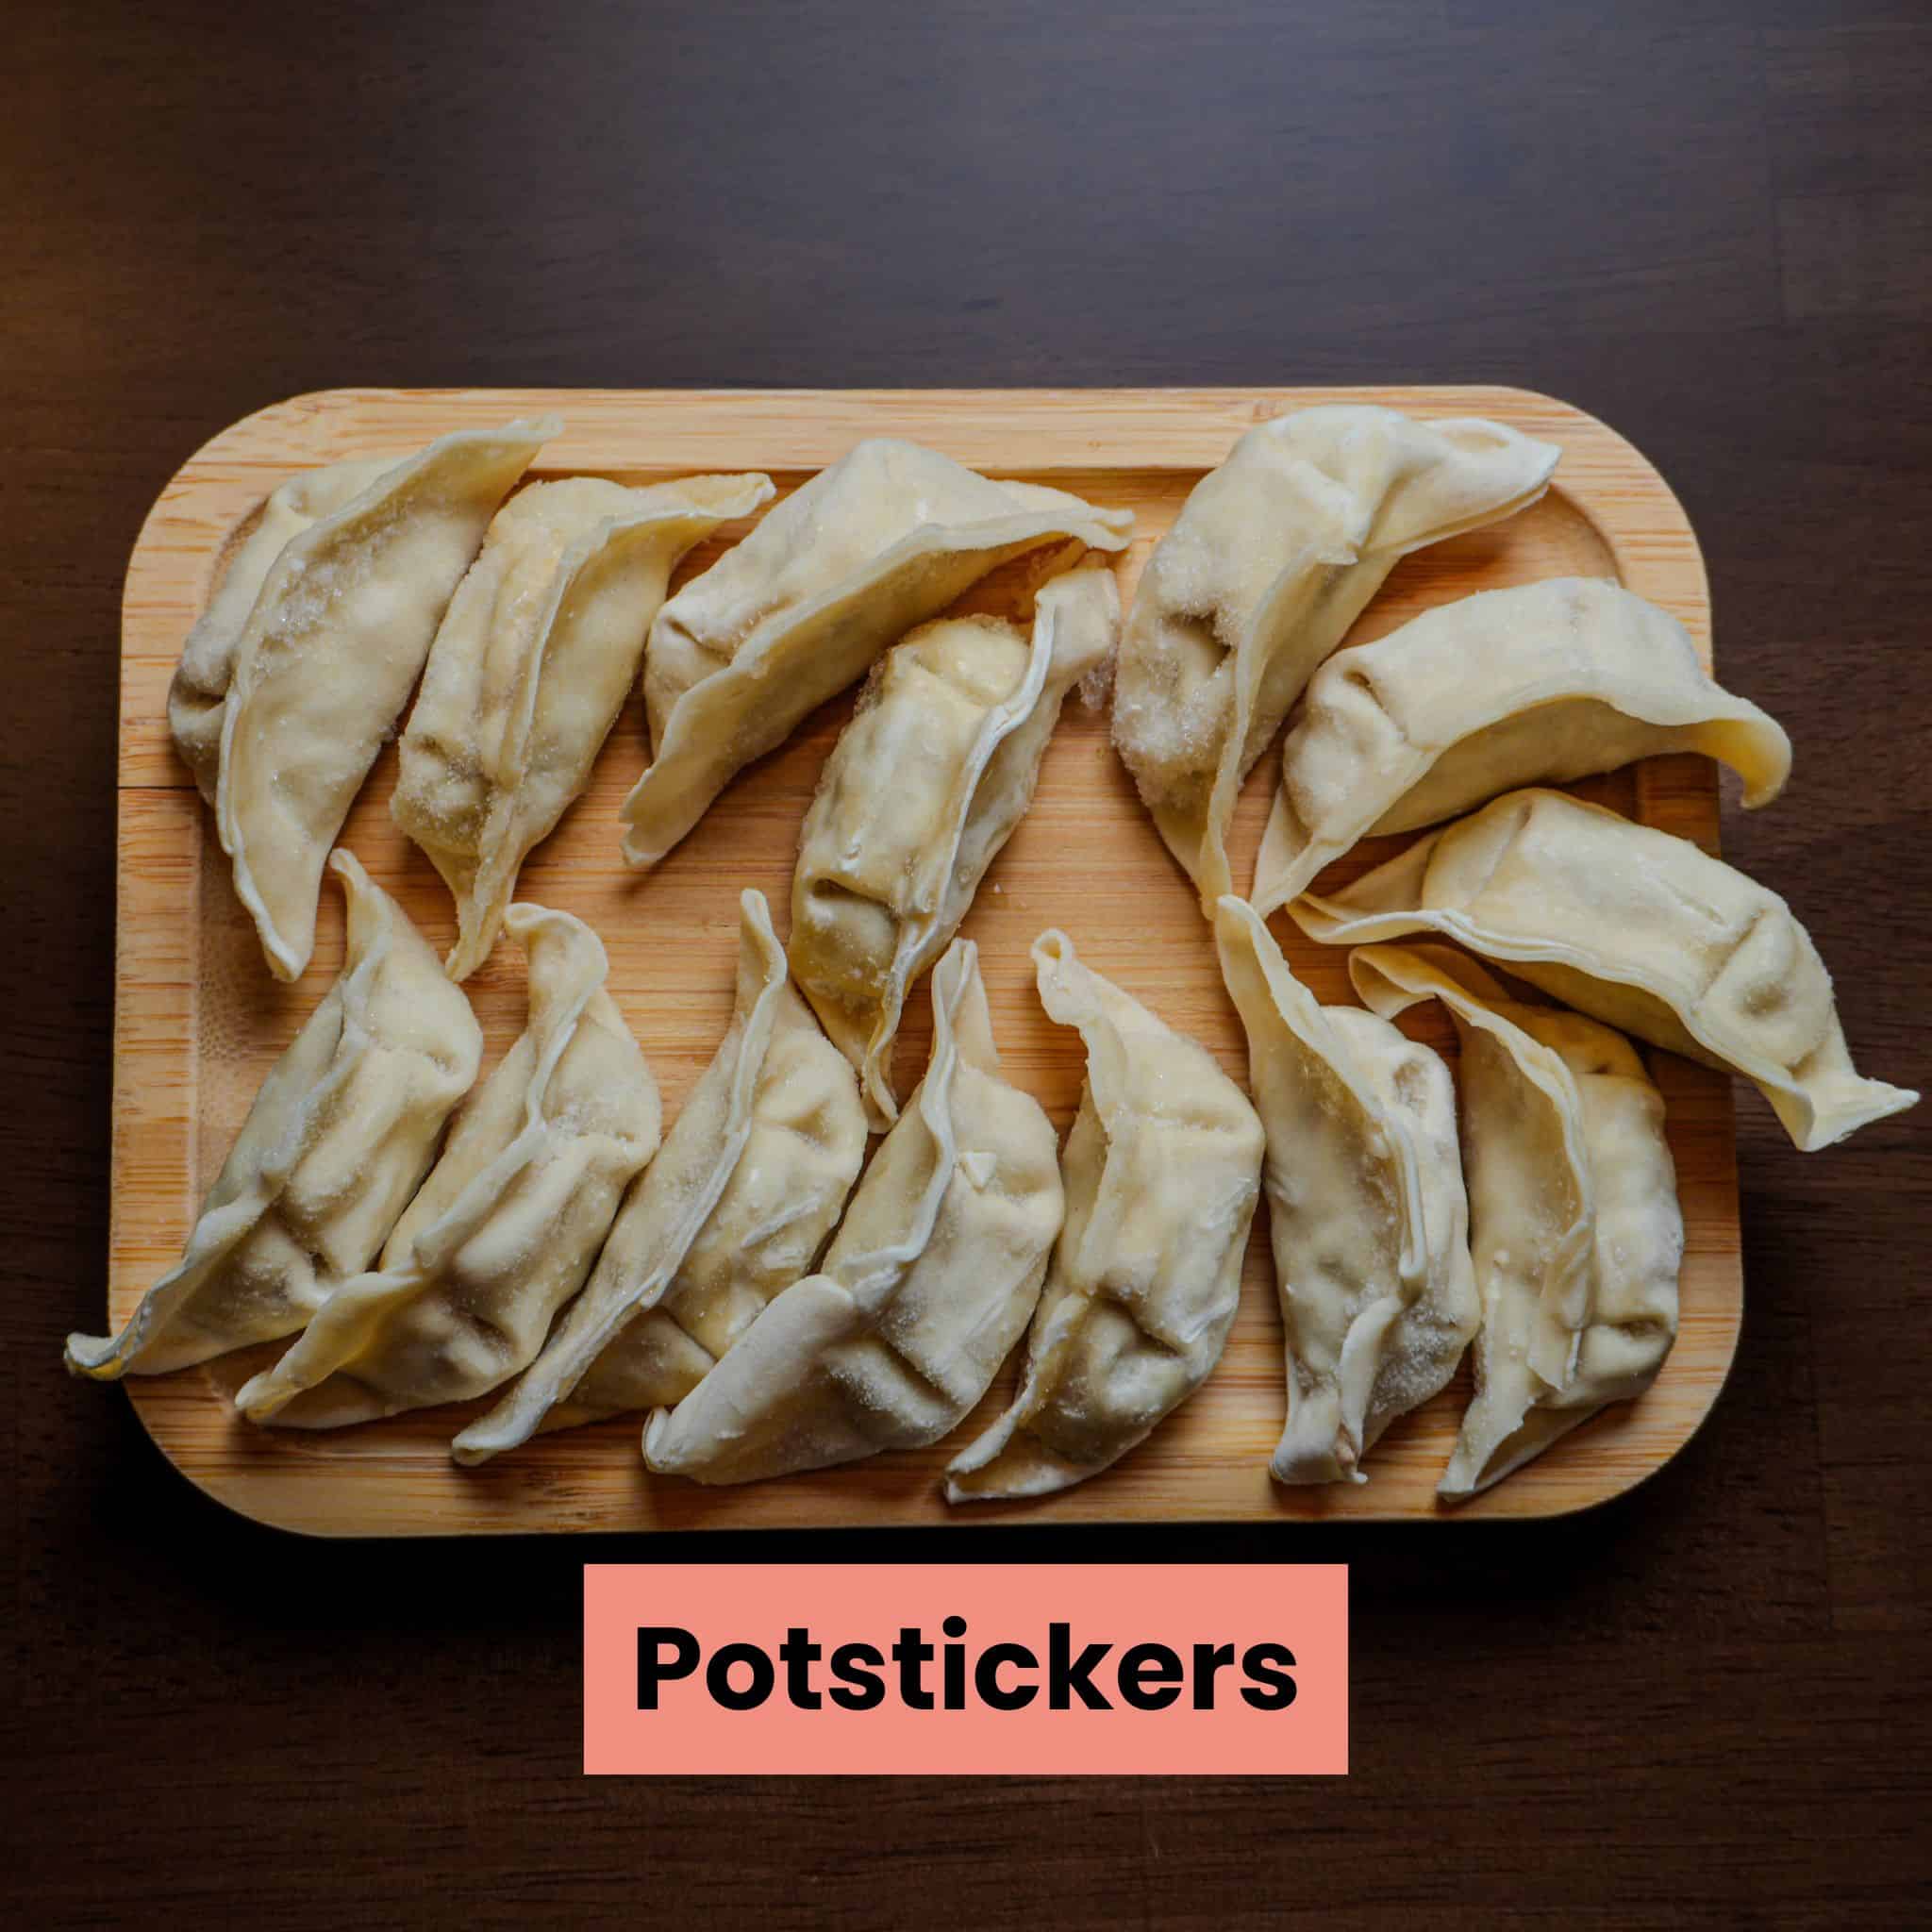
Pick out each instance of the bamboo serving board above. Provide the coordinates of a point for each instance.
(198, 1020)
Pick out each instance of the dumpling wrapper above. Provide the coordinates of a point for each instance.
(1638, 928)
(885, 538)
(925, 785)
(530, 668)
(332, 648)
(927, 1285)
(198, 692)
(735, 1209)
(504, 1229)
(1272, 556)
(1576, 1232)
(339, 1139)
(1162, 1170)
(1540, 684)
(1366, 1209)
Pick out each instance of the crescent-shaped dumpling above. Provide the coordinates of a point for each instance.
(1573, 1218)
(531, 666)
(926, 1287)
(885, 538)
(338, 1140)
(1540, 684)
(1272, 556)
(198, 692)
(330, 653)
(925, 785)
(1162, 1170)
(1366, 1210)
(735, 1208)
(1638, 928)
(505, 1227)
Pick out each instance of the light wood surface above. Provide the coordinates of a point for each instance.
(198, 1018)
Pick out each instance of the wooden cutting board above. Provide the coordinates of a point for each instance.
(198, 1020)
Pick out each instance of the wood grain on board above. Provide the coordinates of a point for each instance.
(198, 1019)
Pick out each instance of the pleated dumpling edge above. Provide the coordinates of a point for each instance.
(340, 1134)
(506, 1226)
(1368, 1217)
(1542, 683)
(530, 668)
(330, 653)
(1577, 1231)
(1163, 1171)
(1274, 556)
(733, 1209)
(931, 1278)
(1638, 928)
(859, 554)
(925, 785)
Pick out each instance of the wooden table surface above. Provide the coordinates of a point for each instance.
(1708, 222)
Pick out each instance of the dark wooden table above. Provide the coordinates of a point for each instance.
(1709, 221)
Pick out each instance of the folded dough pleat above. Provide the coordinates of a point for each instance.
(1576, 1229)
(926, 1287)
(198, 692)
(1544, 683)
(925, 785)
(1272, 556)
(1162, 1171)
(1366, 1210)
(331, 650)
(1641, 930)
(339, 1136)
(530, 667)
(885, 538)
(504, 1229)
(734, 1208)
